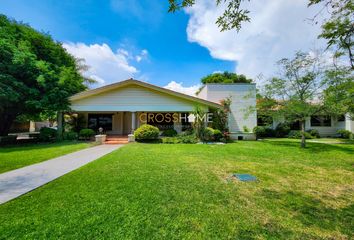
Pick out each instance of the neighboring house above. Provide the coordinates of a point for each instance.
(122, 107)
(327, 126)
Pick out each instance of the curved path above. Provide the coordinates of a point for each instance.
(20, 181)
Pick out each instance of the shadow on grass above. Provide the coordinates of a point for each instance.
(313, 212)
(313, 147)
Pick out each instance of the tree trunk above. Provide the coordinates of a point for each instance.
(303, 139)
(6, 121)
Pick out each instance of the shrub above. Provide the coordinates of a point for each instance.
(70, 136)
(86, 133)
(188, 132)
(261, 131)
(10, 139)
(246, 129)
(314, 133)
(297, 134)
(169, 133)
(47, 134)
(217, 135)
(208, 134)
(345, 133)
(282, 130)
(146, 132)
(188, 139)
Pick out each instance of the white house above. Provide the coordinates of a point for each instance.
(327, 126)
(121, 107)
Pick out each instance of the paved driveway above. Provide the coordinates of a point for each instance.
(20, 181)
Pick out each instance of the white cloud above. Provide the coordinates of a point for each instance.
(143, 55)
(277, 29)
(105, 66)
(178, 87)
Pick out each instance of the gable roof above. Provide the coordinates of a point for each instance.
(131, 81)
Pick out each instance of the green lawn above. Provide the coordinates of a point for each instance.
(156, 191)
(19, 156)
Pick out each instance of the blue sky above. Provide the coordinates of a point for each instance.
(138, 38)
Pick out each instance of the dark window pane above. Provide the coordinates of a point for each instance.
(321, 121)
(341, 118)
(95, 121)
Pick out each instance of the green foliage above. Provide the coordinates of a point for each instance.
(339, 95)
(221, 116)
(314, 133)
(47, 134)
(225, 77)
(299, 84)
(70, 136)
(86, 133)
(7, 140)
(338, 30)
(146, 132)
(187, 139)
(198, 124)
(297, 134)
(263, 132)
(169, 133)
(208, 134)
(246, 129)
(282, 130)
(345, 134)
(232, 17)
(217, 135)
(37, 75)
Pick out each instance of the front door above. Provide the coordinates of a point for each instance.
(95, 121)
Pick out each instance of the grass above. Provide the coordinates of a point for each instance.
(157, 191)
(14, 157)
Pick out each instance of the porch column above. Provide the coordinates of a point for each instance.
(133, 121)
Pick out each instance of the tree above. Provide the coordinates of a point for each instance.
(338, 30)
(339, 95)
(298, 90)
(225, 77)
(37, 75)
(232, 18)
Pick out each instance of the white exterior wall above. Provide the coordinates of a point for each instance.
(331, 131)
(133, 98)
(243, 97)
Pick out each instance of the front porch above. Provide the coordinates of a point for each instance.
(123, 123)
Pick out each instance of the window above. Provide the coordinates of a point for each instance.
(264, 120)
(341, 118)
(321, 121)
(95, 121)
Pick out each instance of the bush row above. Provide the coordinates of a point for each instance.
(283, 130)
(148, 133)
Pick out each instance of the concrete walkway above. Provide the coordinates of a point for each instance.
(20, 181)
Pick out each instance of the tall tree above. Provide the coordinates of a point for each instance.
(298, 89)
(37, 75)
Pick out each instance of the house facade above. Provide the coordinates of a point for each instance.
(327, 126)
(122, 107)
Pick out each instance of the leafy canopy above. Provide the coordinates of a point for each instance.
(37, 75)
(225, 77)
(298, 89)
